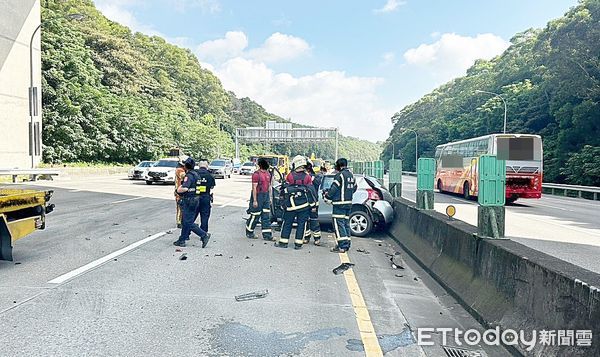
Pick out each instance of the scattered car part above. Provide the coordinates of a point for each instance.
(342, 268)
(252, 296)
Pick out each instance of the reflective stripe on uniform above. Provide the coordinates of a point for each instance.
(317, 235)
(298, 241)
(267, 230)
(266, 210)
(343, 239)
(283, 240)
(335, 182)
(250, 223)
(295, 208)
(341, 202)
(337, 231)
(343, 186)
(255, 213)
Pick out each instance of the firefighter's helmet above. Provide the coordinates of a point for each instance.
(298, 161)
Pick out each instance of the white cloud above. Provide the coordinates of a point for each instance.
(327, 98)
(280, 47)
(390, 6)
(453, 54)
(222, 49)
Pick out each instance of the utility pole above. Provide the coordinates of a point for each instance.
(416, 146)
(503, 101)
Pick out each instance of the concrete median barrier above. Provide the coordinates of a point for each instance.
(66, 172)
(503, 283)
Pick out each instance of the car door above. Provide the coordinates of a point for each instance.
(325, 209)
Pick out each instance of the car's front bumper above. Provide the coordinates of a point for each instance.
(160, 179)
(385, 210)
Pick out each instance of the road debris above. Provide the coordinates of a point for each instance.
(360, 250)
(178, 250)
(399, 276)
(342, 268)
(115, 224)
(252, 296)
(169, 232)
(416, 279)
(396, 264)
(183, 256)
(218, 255)
(247, 257)
(391, 255)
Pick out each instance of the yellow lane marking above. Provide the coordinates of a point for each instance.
(363, 319)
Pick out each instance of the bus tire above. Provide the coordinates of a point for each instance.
(466, 193)
(439, 185)
(511, 199)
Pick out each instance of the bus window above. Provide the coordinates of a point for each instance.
(451, 158)
(518, 149)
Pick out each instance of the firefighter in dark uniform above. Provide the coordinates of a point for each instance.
(206, 182)
(260, 202)
(314, 229)
(340, 194)
(189, 204)
(297, 199)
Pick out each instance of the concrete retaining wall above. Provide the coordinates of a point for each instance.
(501, 282)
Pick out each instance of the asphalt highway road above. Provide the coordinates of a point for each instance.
(567, 228)
(104, 279)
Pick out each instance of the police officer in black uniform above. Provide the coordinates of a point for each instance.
(189, 204)
(206, 182)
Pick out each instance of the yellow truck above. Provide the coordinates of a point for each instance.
(281, 162)
(22, 212)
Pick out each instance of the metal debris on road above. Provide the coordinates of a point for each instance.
(169, 232)
(252, 296)
(391, 255)
(183, 256)
(395, 264)
(399, 276)
(360, 250)
(247, 257)
(115, 224)
(218, 255)
(178, 250)
(416, 279)
(342, 268)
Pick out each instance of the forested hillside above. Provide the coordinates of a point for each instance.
(550, 80)
(110, 95)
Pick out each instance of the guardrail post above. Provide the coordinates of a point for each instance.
(396, 178)
(491, 197)
(425, 179)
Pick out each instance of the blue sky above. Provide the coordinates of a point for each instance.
(347, 64)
